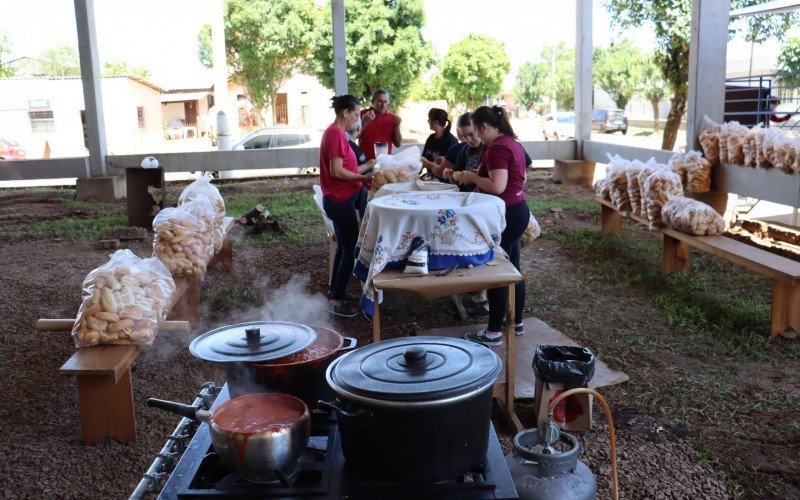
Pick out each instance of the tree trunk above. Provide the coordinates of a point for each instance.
(654, 102)
(676, 110)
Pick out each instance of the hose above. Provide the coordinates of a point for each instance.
(609, 420)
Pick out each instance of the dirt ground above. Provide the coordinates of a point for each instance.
(660, 456)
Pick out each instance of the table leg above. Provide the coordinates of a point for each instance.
(376, 318)
(785, 307)
(506, 402)
(676, 254)
(106, 408)
(610, 220)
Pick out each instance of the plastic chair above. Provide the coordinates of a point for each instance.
(328, 229)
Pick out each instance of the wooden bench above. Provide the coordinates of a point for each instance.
(103, 373)
(676, 255)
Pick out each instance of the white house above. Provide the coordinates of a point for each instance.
(35, 110)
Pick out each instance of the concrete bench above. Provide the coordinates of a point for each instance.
(676, 255)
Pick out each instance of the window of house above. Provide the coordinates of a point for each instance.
(42, 121)
(140, 115)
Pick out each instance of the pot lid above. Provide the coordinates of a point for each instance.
(415, 369)
(254, 341)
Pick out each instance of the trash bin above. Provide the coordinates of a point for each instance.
(563, 363)
(559, 369)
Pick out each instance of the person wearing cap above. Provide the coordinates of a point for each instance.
(378, 124)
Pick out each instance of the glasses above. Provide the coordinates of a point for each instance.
(382, 101)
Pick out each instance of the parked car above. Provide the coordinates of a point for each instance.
(282, 138)
(559, 126)
(609, 120)
(11, 150)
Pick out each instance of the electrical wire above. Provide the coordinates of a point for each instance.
(609, 420)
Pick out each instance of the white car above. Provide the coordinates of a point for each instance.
(559, 126)
(282, 138)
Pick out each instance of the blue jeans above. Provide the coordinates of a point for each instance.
(345, 225)
(517, 218)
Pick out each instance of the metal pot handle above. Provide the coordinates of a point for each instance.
(183, 410)
(352, 344)
(333, 407)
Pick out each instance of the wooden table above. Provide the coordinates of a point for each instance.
(496, 273)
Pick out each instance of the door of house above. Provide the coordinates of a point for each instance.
(190, 112)
(281, 109)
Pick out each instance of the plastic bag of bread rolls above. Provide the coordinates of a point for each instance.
(792, 153)
(634, 189)
(202, 209)
(532, 232)
(202, 188)
(389, 176)
(647, 170)
(181, 242)
(737, 135)
(781, 147)
(724, 131)
(123, 300)
(618, 182)
(771, 137)
(602, 189)
(749, 145)
(662, 185)
(676, 165)
(698, 173)
(709, 140)
(760, 140)
(692, 217)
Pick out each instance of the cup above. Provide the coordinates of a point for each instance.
(381, 148)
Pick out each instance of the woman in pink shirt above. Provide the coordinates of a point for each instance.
(502, 173)
(343, 195)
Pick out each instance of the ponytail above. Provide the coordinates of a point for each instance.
(496, 117)
(348, 102)
(448, 125)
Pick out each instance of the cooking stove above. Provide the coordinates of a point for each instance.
(322, 472)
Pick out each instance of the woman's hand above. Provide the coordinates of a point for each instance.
(367, 179)
(448, 174)
(438, 160)
(467, 177)
(367, 166)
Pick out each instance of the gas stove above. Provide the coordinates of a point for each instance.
(322, 472)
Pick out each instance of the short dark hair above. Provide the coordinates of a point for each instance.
(440, 116)
(347, 101)
(379, 91)
(494, 116)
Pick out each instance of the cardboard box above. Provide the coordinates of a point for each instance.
(571, 414)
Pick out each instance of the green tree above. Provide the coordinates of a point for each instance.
(531, 84)
(671, 23)
(474, 68)
(384, 44)
(5, 50)
(61, 60)
(789, 63)
(619, 70)
(205, 50)
(654, 88)
(561, 82)
(121, 68)
(266, 41)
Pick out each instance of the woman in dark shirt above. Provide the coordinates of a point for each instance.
(502, 173)
(440, 140)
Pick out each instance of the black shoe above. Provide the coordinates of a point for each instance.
(482, 338)
(479, 309)
(345, 310)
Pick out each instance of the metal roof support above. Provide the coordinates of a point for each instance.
(707, 61)
(92, 94)
(339, 48)
(584, 79)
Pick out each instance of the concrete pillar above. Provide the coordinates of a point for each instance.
(92, 94)
(219, 61)
(339, 48)
(707, 62)
(584, 82)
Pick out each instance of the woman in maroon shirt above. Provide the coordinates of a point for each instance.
(342, 196)
(502, 173)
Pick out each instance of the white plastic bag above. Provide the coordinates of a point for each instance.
(692, 217)
(662, 185)
(181, 242)
(698, 172)
(618, 182)
(646, 171)
(602, 189)
(749, 145)
(676, 165)
(737, 135)
(407, 160)
(123, 300)
(532, 232)
(202, 188)
(632, 171)
(709, 140)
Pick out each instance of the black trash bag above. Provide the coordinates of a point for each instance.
(563, 363)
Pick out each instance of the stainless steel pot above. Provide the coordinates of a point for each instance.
(259, 433)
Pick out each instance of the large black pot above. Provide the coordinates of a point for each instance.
(301, 374)
(415, 410)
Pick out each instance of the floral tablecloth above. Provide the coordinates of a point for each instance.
(461, 228)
